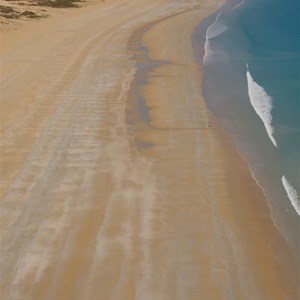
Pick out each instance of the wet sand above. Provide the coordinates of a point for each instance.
(118, 184)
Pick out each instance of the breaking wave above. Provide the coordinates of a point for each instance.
(292, 194)
(262, 104)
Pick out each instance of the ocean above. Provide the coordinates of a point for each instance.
(251, 69)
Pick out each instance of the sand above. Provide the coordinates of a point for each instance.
(16, 14)
(117, 183)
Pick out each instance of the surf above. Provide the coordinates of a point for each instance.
(262, 104)
(292, 194)
(216, 29)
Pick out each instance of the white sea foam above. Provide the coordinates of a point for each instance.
(215, 29)
(262, 104)
(292, 194)
(211, 54)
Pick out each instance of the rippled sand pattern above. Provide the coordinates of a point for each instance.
(98, 203)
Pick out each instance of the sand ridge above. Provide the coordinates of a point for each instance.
(100, 204)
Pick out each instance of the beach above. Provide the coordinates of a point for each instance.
(117, 182)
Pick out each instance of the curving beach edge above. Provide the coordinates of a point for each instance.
(117, 182)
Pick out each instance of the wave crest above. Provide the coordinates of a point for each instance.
(292, 194)
(262, 104)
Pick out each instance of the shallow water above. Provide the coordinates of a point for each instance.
(251, 83)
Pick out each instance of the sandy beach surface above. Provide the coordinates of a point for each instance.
(117, 183)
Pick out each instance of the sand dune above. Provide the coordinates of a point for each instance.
(114, 185)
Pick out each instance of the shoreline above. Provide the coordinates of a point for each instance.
(270, 184)
(155, 208)
(199, 41)
(262, 208)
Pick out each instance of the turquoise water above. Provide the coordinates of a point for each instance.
(275, 64)
(251, 83)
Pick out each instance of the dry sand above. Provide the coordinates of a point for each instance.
(15, 14)
(114, 187)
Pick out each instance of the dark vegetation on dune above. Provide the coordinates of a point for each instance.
(9, 12)
(59, 3)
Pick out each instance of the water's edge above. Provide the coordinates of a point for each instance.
(199, 39)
